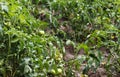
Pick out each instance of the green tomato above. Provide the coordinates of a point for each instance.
(53, 71)
(59, 70)
(41, 32)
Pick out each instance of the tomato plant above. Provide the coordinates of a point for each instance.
(36, 36)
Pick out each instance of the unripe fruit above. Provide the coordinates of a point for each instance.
(59, 71)
(53, 71)
(41, 32)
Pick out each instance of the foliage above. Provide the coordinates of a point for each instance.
(25, 48)
(35, 33)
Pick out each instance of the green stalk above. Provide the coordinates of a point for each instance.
(9, 44)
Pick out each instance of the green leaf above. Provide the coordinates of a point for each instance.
(27, 69)
(0, 28)
(4, 7)
(83, 46)
(1, 62)
(94, 57)
(36, 1)
(69, 42)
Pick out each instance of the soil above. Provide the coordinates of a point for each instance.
(100, 72)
